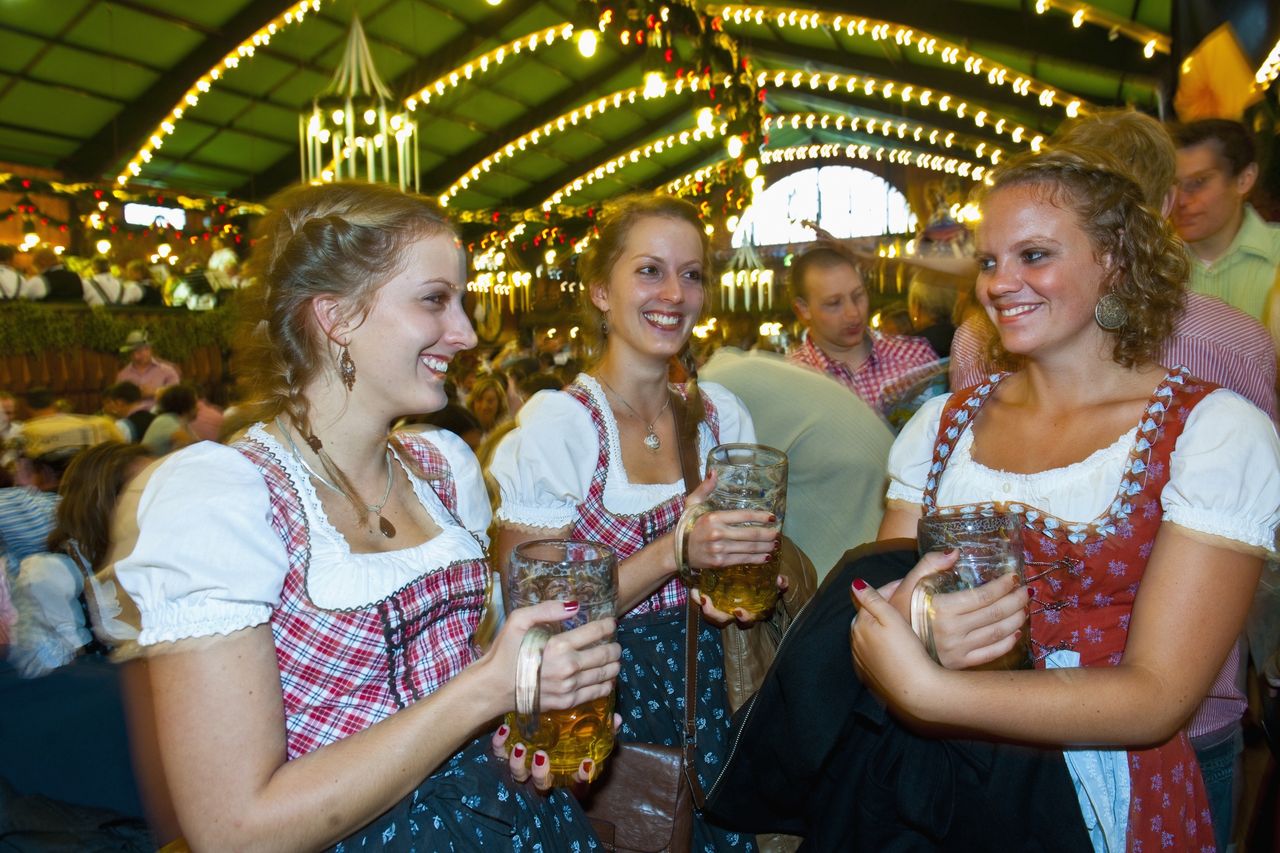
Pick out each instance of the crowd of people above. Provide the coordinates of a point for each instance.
(294, 595)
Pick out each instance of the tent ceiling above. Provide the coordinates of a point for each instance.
(83, 83)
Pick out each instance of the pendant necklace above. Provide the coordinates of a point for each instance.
(651, 439)
(384, 524)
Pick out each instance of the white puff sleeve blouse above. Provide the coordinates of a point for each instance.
(208, 562)
(544, 466)
(1224, 473)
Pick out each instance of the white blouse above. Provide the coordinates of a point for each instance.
(544, 466)
(1224, 473)
(207, 560)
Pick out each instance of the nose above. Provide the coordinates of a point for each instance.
(459, 332)
(999, 280)
(671, 291)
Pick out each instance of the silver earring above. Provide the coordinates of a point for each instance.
(604, 327)
(1110, 312)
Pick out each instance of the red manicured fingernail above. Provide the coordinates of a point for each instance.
(586, 766)
(859, 584)
(571, 605)
(1031, 591)
(503, 730)
(539, 759)
(773, 517)
(518, 752)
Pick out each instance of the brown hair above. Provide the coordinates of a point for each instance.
(342, 240)
(822, 255)
(89, 489)
(1147, 267)
(1138, 141)
(489, 383)
(596, 265)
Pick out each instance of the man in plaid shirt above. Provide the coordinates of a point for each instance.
(830, 298)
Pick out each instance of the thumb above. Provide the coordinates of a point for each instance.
(703, 491)
(869, 602)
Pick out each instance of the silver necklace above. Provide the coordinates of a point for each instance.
(651, 439)
(384, 524)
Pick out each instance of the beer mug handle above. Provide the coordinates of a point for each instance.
(691, 514)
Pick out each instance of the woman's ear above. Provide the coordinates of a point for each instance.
(599, 293)
(330, 318)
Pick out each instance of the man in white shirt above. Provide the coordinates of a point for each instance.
(10, 278)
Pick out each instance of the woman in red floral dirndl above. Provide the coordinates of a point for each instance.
(314, 589)
(1147, 498)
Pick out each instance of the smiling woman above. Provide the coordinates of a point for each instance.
(601, 461)
(318, 681)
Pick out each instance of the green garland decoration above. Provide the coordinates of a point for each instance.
(28, 328)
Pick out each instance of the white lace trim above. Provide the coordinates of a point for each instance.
(172, 621)
(339, 579)
(1214, 524)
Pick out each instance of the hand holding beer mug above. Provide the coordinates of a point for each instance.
(748, 477)
(990, 546)
(560, 570)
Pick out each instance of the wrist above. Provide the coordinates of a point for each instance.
(492, 691)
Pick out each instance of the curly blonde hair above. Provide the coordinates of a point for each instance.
(1147, 267)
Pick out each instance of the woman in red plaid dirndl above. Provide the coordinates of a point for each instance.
(1136, 608)
(315, 588)
(601, 461)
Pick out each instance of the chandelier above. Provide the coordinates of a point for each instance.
(355, 130)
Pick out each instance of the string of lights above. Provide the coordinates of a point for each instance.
(487, 62)
(689, 82)
(950, 53)
(885, 127)
(1269, 69)
(243, 51)
(657, 146)
(1152, 41)
(981, 116)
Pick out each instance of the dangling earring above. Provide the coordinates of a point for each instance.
(604, 326)
(1110, 312)
(347, 368)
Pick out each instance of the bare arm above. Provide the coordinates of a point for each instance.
(1190, 608)
(220, 729)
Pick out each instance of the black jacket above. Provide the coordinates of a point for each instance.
(816, 754)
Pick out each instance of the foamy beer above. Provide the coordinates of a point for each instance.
(565, 570)
(748, 476)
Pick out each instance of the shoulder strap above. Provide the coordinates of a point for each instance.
(97, 285)
(689, 468)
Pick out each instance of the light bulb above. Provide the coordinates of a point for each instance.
(734, 146)
(588, 41)
(103, 246)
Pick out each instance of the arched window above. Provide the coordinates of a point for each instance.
(845, 201)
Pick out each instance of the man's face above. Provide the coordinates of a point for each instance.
(141, 356)
(834, 307)
(1210, 198)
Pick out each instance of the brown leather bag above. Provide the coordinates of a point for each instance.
(644, 800)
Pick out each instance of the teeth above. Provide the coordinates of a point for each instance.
(668, 320)
(439, 365)
(1015, 311)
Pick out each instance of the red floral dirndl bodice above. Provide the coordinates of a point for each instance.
(627, 534)
(341, 671)
(1085, 577)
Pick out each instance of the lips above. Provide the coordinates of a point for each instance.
(1011, 313)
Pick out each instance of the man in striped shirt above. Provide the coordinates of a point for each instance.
(830, 298)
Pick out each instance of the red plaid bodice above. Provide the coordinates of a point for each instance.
(627, 534)
(1085, 577)
(341, 671)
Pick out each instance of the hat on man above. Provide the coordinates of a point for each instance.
(136, 340)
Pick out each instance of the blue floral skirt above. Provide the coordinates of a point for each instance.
(471, 804)
(651, 702)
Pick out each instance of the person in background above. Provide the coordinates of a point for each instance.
(103, 288)
(931, 301)
(49, 428)
(315, 682)
(171, 428)
(836, 447)
(123, 401)
(144, 369)
(830, 298)
(487, 400)
(136, 273)
(1215, 341)
(455, 418)
(1235, 255)
(11, 281)
(53, 282)
(61, 604)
